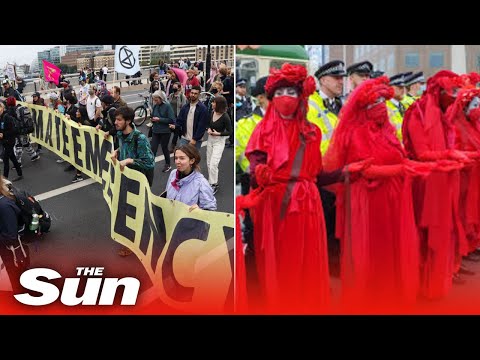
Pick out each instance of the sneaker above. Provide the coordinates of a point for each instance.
(13, 167)
(20, 177)
(59, 161)
(1, 160)
(77, 178)
(166, 168)
(214, 188)
(35, 157)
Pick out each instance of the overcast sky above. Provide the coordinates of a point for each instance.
(21, 54)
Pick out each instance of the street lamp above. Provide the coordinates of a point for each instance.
(207, 66)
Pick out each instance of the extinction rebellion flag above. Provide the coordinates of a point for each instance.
(126, 59)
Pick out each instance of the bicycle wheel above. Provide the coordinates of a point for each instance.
(140, 115)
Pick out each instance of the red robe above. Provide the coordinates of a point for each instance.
(290, 251)
(376, 226)
(468, 139)
(426, 130)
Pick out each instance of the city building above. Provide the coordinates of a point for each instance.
(218, 52)
(145, 53)
(104, 57)
(83, 48)
(394, 59)
(85, 61)
(70, 59)
(178, 52)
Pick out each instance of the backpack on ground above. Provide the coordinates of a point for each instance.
(28, 205)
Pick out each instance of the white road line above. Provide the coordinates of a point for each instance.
(80, 184)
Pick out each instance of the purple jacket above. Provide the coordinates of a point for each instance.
(194, 189)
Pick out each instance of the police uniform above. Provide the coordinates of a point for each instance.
(375, 74)
(243, 104)
(409, 99)
(323, 112)
(243, 131)
(396, 109)
(361, 68)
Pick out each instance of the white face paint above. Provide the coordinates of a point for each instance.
(286, 91)
(474, 104)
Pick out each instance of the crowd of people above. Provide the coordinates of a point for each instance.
(378, 187)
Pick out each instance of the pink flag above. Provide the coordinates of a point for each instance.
(181, 74)
(51, 72)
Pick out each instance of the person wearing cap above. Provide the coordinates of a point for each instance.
(244, 128)
(359, 72)
(325, 104)
(415, 85)
(55, 103)
(243, 104)
(376, 73)
(323, 108)
(37, 99)
(162, 117)
(286, 165)
(8, 91)
(428, 136)
(395, 107)
(191, 82)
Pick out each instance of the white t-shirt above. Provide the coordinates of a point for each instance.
(83, 92)
(105, 70)
(191, 113)
(92, 104)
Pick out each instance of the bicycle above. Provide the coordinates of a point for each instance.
(206, 98)
(142, 111)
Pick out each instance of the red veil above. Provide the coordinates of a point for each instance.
(428, 134)
(468, 139)
(289, 230)
(375, 223)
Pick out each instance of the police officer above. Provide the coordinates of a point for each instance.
(415, 85)
(243, 130)
(243, 102)
(395, 107)
(359, 72)
(325, 104)
(323, 109)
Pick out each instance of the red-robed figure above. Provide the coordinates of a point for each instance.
(289, 229)
(375, 221)
(464, 114)
(429, 135)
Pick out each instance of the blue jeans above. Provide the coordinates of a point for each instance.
(198, 144)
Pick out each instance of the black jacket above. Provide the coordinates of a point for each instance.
(7, 128)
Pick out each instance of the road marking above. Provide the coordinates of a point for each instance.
(86, 182)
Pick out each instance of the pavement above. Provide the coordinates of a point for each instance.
(80, 232)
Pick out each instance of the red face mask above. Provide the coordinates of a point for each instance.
(474, 115)
(286, 105)
(378, 113)
(446, 100)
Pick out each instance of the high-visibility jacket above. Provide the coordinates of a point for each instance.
(323, 118)
(409, 100)
(395, 117)
(243, 130)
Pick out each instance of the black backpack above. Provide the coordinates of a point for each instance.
(27, 205)
(23, 120)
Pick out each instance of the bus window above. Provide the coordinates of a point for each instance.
(247, 68)
(277, 64)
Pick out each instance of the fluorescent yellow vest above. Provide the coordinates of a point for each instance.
(409, 100)
(395, 118)
(243, 130)
(324, 119)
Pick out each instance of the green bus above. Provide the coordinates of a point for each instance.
(252, 64)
